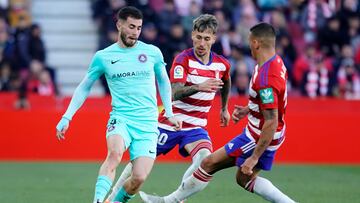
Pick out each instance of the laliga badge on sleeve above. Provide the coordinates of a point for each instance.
(178, 72)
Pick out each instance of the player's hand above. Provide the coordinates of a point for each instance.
(224, 118)
(176, 122)
(248, 165)
(210, 85)
(239, 113)
(61, 128)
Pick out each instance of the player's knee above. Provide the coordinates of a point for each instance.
(114, 156)
(203, 153)
(207, 164)
(137, 180)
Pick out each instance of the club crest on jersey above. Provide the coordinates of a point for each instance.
(111, 128)
(142, 58)
(267, 96)
(178, 72)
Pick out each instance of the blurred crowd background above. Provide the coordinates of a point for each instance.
(319, 41)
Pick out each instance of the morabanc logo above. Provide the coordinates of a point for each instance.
(267, 96)
(135, 74)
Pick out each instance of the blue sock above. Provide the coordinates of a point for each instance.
(102, 187)
(123, 196)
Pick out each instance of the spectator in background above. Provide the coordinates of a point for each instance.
(348, 80)
(104, 12)
(150, 34)
(184, 7)
(247, 20)
(167, 17)
(222, 44)
(353, 31)
(238, 54)
(314, 17)
(22, 38)
(19, 12)
(40, 81)
(5, 77)
(176, 41)
(302, 64)
(315, 81)
(240, 79)
(241, 6)
(331, 37)
(194, 12)
(7, 46)
(36, 45)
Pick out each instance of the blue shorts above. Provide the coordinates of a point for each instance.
(139, 141)
(242, 147)
(167, 140)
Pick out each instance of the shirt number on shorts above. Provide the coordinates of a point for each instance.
(162, 138)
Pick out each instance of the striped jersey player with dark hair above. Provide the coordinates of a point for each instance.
(254, 149)
(196, 75)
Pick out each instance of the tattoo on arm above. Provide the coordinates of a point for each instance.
(180, 91)
(270, 114)
(225, 91)
(267, 131)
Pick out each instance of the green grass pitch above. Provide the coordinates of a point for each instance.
(58, 182)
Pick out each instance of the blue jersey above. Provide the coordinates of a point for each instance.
(130, 74)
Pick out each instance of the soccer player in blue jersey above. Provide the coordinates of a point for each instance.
(130, 67)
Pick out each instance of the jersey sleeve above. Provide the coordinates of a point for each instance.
(159, 61)
(269, 93)
(226, 75)
(96, 69)
(179, 69)
(163, 84)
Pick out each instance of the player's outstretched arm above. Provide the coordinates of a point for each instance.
(81, 93)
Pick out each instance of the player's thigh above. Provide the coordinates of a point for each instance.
(216, 161)
(117, 135)
(167, 140)
(191, 146)
(194, 140)
(144, 145)
(142, 167)
(115, 143)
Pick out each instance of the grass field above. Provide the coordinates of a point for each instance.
(48, 182)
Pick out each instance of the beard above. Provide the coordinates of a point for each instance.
(126, 42)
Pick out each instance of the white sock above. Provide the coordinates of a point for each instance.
(267, 190)
(196, 161)
(191, 185)
(126, 173)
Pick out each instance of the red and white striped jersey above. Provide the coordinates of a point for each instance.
(267, 91)
(187, 69)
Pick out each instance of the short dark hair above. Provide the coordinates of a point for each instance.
(263, 30)
(205, 21)
(129, 11)
(265, 33)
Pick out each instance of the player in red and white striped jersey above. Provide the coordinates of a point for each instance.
(188, 73)
(196, 75)
(254, 149)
